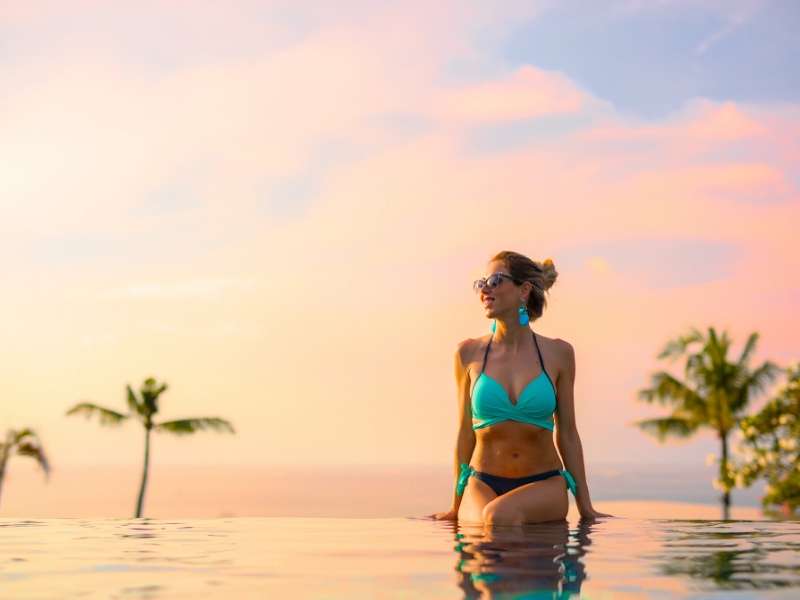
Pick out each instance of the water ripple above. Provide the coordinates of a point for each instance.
(397, 558)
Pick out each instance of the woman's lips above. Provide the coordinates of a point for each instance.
(488, 301)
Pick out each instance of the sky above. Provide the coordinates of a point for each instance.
(279, 208)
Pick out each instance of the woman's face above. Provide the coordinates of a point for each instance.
(503, 298)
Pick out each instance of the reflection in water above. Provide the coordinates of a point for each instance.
(731, 555)
(398, 558)
(532, 561)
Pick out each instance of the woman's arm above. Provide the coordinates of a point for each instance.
(465, 439)
(567, 438)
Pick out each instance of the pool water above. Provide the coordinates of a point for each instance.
(397, 558)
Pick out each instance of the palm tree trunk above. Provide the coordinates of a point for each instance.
(723, 476)
(140, 501)
(3, 459)
(4, 454)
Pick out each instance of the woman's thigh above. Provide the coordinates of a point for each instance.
(530, 503)
(477, 494)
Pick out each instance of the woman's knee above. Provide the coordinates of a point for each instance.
(501, 513)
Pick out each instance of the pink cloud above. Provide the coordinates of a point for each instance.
(702, 122)
(525, 93)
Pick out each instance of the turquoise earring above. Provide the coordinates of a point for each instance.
(524, 319)
(493, 326)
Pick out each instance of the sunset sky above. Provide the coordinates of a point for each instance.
(279, 207)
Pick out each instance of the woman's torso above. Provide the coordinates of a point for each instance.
(510, 448)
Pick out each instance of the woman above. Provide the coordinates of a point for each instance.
(514, 388)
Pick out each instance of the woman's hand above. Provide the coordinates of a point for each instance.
(591, 514)
(448, 515)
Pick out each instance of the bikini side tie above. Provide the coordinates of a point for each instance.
(463, 477)
(573, 487)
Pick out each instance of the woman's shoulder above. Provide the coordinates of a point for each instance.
(558, 346)
(467, 348)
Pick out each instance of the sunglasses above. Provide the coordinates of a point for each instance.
(491, 282)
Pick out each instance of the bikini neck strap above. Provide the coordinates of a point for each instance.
(486, 353)
(489, 345)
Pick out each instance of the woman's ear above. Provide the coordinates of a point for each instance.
(526, 289)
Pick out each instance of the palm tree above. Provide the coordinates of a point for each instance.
(714, 395)
(143, 408)
(23, 442)
(771, 447)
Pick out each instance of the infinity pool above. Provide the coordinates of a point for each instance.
(396, 558)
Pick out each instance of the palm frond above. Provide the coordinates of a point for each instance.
(106, 415)
(36, 452)
(21, 434)
(149, 392)
(187, 426)
(667, 390)
(716, 346)
(666, 426)
(678, 346)
(134, 406)
(697, 367)
(755, 383)
(747, 351)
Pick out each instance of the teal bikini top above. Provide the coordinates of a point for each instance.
(536, 404)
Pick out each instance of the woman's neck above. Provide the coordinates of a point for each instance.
(510, 333)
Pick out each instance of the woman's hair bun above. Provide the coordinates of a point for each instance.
(549, 272)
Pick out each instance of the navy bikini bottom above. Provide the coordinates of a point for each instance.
(502, 485)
